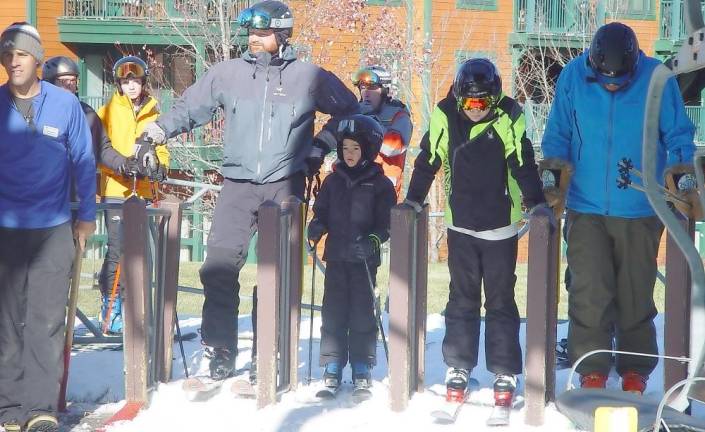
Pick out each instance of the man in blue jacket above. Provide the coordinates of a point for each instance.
(45, 146)
(596, 121)
(269, 99)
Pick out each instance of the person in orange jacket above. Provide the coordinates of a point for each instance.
(124, 118)
(374, 84)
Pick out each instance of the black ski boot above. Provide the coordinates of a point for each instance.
(456, 384)
(222, 363)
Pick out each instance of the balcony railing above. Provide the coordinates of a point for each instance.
(148, 9)
(672, 23)
(553, 17)
(537, 115)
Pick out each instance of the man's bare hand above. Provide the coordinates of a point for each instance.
(81, 231)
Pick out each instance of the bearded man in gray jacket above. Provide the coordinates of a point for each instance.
(269, 101)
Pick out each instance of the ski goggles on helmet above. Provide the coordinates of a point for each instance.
(253, 18)
(471, 103)
(366, 78)
(129, 69)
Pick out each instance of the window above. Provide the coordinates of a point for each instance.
(633, 9)
(489, 5)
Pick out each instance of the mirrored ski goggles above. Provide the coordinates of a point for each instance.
(366, 78)
(252, 18)
(480, 104)
(126, 70)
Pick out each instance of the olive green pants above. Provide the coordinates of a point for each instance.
(613, 266)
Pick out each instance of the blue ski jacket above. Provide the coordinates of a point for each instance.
(595, 129)
(40, 159)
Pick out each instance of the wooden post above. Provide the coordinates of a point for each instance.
(541, 310)
(296, 264)
(135, 232)
(171, 282)
(677, 305)
(268, 283)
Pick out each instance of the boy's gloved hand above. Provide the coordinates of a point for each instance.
(315, 231)
(365, 248)
(544, 210)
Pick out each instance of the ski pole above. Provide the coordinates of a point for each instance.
(378, 312)
(310, 327)
(70, 318)
(181, 343)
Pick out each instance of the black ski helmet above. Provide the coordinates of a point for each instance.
(59, 66)
(614, 50)
(365, 130)
(477, 78)
(269, 14)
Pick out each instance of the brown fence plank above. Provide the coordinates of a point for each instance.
(268, 281)
(136, 278)
(541, 305)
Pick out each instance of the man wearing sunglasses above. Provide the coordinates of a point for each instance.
(269, 101)
(597, 121)
(375, 86)
(477, 135)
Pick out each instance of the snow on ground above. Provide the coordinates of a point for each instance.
(96, 385)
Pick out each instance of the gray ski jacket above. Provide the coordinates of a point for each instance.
(269, 106)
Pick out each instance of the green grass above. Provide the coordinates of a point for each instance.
(190, 304)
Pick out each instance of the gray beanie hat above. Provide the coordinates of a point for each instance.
(22, 36)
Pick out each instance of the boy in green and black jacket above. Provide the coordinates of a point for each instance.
(477, 135)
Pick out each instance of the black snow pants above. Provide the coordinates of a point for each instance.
(234, 224)
(349, 329)
(473, 262)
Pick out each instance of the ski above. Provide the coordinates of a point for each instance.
(443, 416)
(327, 393)
(499, 416)
(201, 387)
(242, 387)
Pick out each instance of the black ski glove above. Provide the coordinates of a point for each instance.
(158, 175)
(365, 248)
(315, 231)
(132, 168)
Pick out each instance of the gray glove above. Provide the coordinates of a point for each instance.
(155, 133)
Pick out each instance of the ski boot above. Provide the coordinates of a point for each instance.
(456, 384)
(504, 387)
(42, 423)
(114, 322)
(362, 381)
(593, 380)
(332, 375)
(634, 382)
(361, 375)
(222, 362)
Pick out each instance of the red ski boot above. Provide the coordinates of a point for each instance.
(456, 384)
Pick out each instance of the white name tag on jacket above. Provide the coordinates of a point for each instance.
(51, 131)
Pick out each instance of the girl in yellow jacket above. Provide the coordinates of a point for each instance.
(124, 118)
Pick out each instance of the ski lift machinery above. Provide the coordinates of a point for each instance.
(667, 415)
